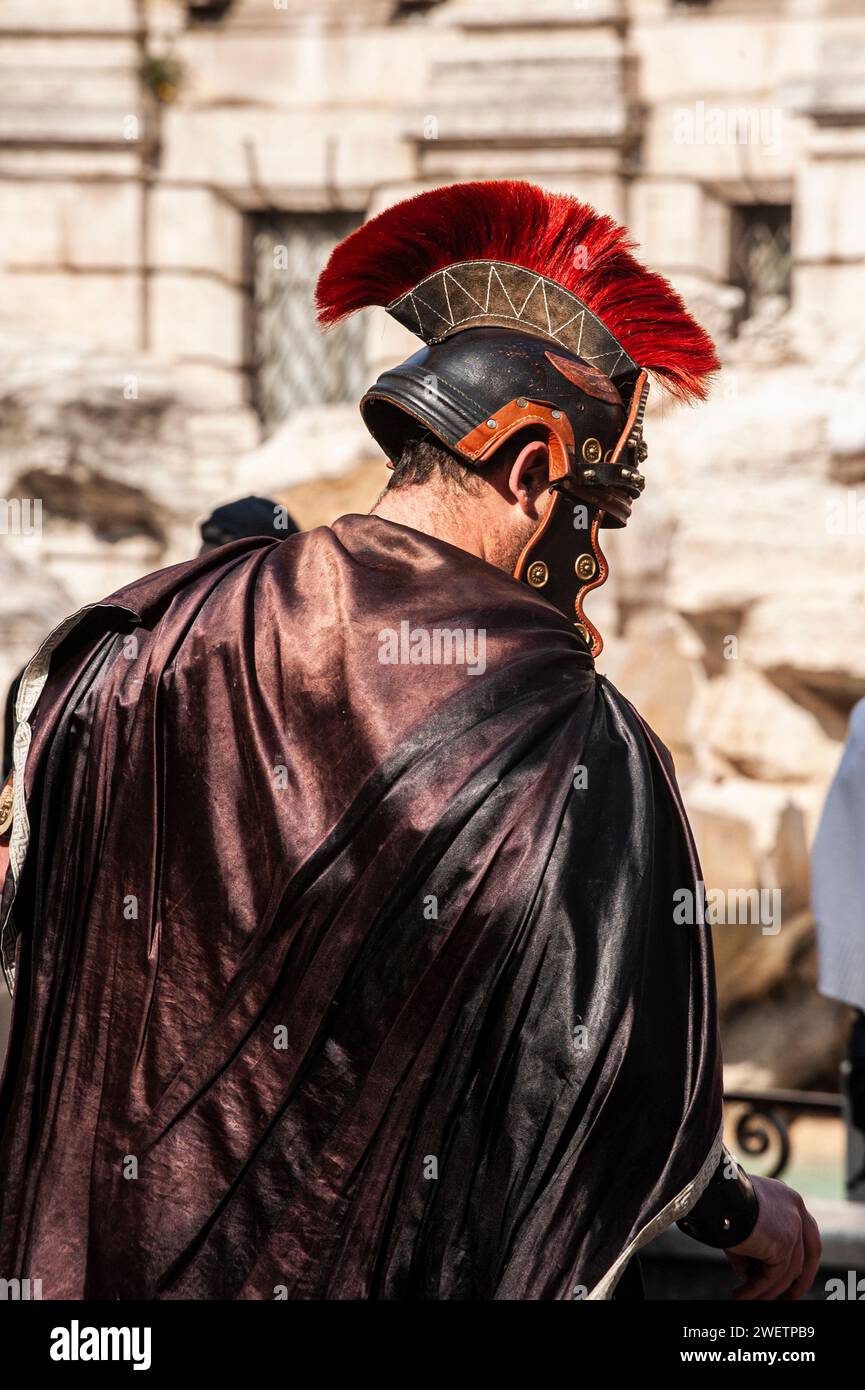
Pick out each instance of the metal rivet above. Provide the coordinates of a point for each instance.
(492, 424)
(589, 474)
(522, 402)
(557, 415)
(537, 574)
(584, 633)
(585, 566)
(592, 451)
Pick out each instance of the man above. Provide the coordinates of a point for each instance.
(838, 894)
(342, 887)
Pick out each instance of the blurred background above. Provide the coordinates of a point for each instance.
(173, 176)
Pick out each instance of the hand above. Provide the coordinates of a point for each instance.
(782, 1254)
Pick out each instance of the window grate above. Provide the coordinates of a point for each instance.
(761, 258)
(294, 364)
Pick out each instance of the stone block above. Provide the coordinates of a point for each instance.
(680, 227)
(73, 225)
(287, 68)
(315, 443)
(828, 299)
(54, 17)
(719, 57)
(762, 731)
(107, 307)
(812, 636)
(197, 317)
(751, 836)
(209, 386)
(731, 143)
(830, 196)
(64, 164)
(656, 664)
(194, 229)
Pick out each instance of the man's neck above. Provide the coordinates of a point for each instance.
(422, 510)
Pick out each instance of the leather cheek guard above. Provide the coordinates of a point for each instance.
(563, 559)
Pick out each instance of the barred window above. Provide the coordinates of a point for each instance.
(761, 256)
(294, 364)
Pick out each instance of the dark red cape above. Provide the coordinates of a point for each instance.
(246, 1061)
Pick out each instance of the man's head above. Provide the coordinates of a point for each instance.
(491, 510)
(534, 313)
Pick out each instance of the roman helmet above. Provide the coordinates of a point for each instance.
(533, 312)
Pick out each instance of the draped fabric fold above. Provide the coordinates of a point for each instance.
(343, 978)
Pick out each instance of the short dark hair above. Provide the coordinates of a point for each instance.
(425, 457)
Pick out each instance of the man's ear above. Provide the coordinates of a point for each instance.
(529, 475)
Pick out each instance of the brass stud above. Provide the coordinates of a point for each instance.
(592, 451)
(642, 451)
(522, 402)
(537, 574)
(586, 566)
(589, 475)
(584, 633)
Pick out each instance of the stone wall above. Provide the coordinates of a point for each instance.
(735, 611)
